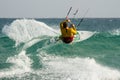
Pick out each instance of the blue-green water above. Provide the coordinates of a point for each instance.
(26, 52)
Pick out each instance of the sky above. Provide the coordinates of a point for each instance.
(59, 8)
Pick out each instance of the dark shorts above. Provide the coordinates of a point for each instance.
(67, 39)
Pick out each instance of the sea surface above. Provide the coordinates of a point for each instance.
(27, 53)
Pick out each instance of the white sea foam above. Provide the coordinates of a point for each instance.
(22, 64)
(60, 68)
(115, 32)
(25, 29)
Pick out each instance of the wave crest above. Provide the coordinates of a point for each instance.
(25, 29)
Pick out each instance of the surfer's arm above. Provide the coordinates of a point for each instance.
(74, 32)
(74, 29)
(61, 25)
(73, 26)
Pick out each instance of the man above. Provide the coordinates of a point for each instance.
(67, 32)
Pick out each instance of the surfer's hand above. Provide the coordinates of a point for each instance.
(72, 25)
(68, 20)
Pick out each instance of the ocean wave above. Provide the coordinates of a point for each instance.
(96, 58)
(25, 29)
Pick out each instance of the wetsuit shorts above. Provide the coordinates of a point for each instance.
(67, 39)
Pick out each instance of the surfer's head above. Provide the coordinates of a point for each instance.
(65, 24)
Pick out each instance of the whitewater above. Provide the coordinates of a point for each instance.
(28, 54)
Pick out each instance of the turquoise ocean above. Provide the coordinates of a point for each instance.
(27, 53)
